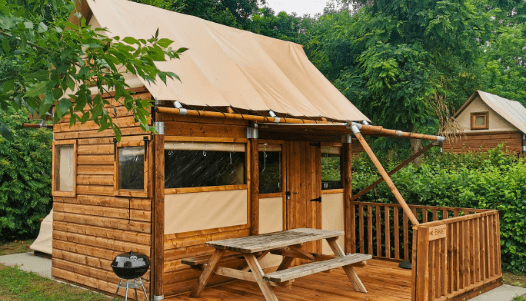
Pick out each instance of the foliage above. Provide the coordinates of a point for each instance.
(60, 60)
(25, 178)
(19, 285)
(492, 180)
(14, 247)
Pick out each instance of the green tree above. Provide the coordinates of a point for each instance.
(58, 60)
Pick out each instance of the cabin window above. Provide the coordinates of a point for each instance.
(270, 168)
(479, 121)
(131, 164)
(331, 175)
(203, 164)
(64, 168)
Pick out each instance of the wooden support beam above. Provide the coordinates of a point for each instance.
(392, 172)
(386, 178)
(349, 213)
(158, 216)
(254, 186)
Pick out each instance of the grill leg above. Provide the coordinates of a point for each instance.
(144, 290)
(118, 287)
(135, 282)
(127, 286)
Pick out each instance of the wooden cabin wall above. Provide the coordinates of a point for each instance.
(90, 229)
(178, 277)
(482, 141)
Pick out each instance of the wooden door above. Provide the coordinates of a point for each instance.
(303, 187)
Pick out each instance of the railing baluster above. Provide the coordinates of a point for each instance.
(387, 233)
(424, 215)
(497, 235)
(360, 221)
(432, 270)
(378, 233)
(396, 234)
(406, 237)
(483, 241)
(445, 214)
(435, 215)
(370, 229)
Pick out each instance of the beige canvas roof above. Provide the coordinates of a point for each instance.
(225, 66)
(513, 111)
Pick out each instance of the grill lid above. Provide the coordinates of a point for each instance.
(130, 265)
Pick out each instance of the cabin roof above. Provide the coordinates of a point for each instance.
(227, 67)
(513, 111)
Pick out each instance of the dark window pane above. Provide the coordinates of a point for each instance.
(331, 177)
(269, 172)
(192, 168)
(131, 168)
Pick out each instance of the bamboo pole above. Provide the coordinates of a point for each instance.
(33, 125)
(402, 165)
(384, 174)
(367, 129)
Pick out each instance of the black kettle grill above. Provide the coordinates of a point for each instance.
(130, 266)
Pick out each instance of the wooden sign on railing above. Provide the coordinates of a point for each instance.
(437, 232)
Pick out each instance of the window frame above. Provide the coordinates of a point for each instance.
(283, 169)
(243, 141)
(337, 190)
(133, 142)
(55, 174)
(474, 115)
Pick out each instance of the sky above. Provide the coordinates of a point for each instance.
(301, 7)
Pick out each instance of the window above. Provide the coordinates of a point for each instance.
(202, 164)
(131, 164)
(479, 121)
(270, 168)
(64, 168)
(331, 177)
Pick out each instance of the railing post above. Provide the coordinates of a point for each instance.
(422, 264)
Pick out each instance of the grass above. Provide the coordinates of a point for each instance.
(515, 280)
(13, 247)
(520, 298)
(20, 285)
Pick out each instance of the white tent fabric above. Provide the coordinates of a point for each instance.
(225, 66)
(43, 243)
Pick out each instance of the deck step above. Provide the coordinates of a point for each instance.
(315, 267)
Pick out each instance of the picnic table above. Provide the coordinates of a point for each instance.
(286, 243)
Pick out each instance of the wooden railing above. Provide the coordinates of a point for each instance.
(456, 255)
(385, 231)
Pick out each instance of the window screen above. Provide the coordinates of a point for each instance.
(331, 176)
(64, 167)
(269, 168)
(197, 164)
(131, 168)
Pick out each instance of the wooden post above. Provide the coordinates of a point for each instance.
(386, 178)
(254, 186)
(392, 172)
(350, 227)
(158, 216)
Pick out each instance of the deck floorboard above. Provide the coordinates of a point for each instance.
(384, 280)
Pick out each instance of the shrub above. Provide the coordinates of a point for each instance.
(490, 180)
(25, 178)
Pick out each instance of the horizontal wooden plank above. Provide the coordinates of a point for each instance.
(94, 252)
(95, 133)
(97, 149)
(92, 283)
(121, 121)
(104, 180)
(200, 240)
(125, 236)
(95, 159)
(184, 235)
(122, 224)
(95, 190)
(133, 214)
(117, 202)
(198, 119)
(204, 130)
(95, 170)
(104, 243)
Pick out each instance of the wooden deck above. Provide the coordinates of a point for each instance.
(384, 280)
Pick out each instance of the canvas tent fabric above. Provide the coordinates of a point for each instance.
(43, 243)
(512, 111)
(225, 66)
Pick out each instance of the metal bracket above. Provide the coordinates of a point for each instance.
(159, 127)
(252, 133)
(318, 199)
(156, 298)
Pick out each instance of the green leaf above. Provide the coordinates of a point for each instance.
(40, 75)
(6, 46)
(164, 42)
(37, 89)
(8, 86)
(6, 132)
(130, 40)
(42, 27)
(64, 105)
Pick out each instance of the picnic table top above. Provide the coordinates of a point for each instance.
(274, 240)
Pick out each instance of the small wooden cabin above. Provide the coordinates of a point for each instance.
(254, 139)
(487, 120)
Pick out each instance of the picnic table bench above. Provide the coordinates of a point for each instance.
(286, 243)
